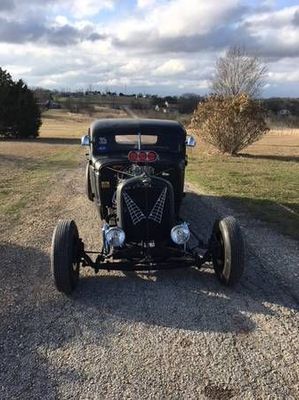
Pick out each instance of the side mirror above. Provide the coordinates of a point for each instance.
(85, 140)
(190, 141)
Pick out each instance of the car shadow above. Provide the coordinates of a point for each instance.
(183, 299)
(200, 210)
(188, 298)
(281, 217)
(37, 321)
(180, 299)
(24, 327)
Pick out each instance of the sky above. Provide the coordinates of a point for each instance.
(148, 46)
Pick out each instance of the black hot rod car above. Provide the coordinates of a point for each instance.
(135, 176)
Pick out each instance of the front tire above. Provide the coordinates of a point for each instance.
(228, 251)
(65, 262)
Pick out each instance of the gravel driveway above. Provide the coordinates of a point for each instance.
(171, 334)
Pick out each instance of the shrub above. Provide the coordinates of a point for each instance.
(230, 123)
(19, 112)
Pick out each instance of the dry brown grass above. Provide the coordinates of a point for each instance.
(264, 175)
(63, 124)
(284, 132)
(28, 172)
(277, 143)
(263, 179)
(28, 168)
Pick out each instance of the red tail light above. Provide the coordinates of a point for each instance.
(142, 156)
(152, 156)
(133, 156)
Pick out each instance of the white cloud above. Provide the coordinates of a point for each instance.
(17, 70)
(48, 83)
(134, 66)
(166, 46)
(275, 33)
(87, 8)
(146, 3)
(170, 67)
(202, 84)
(284, 71)
(61, 20)
(283, 76)
(274, 19)
(180, 17)
(176, 18)
(77, 8)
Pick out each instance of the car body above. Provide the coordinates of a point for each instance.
(135, 176)
(111, 141)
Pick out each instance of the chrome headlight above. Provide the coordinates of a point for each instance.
(115, 236)
(180, 234)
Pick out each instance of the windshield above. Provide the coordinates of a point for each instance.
(133, 139)
(165, 142)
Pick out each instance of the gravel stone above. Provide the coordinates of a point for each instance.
(167, 334)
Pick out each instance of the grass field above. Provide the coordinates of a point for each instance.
(29, 169)
(28, 172)
(61, 124)
(184, 119)
(263, 180)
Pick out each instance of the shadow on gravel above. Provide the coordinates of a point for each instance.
(32, 322)
(181, 299)
(283, 218)
(187, 298)
(38, 323)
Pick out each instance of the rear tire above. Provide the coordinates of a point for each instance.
(228, 251)
(65, 262)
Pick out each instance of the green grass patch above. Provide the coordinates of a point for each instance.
(260, 186)
(28, 180)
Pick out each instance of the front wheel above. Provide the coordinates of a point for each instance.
(228, 251)
(65, 262)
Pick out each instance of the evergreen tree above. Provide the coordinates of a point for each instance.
(19, 112)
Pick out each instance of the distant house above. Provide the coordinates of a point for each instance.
(284, 112)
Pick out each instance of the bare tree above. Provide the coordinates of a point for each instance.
(239, 73)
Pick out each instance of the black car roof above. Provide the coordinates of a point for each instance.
(116, 125)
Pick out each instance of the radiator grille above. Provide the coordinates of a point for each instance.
(145, 210)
